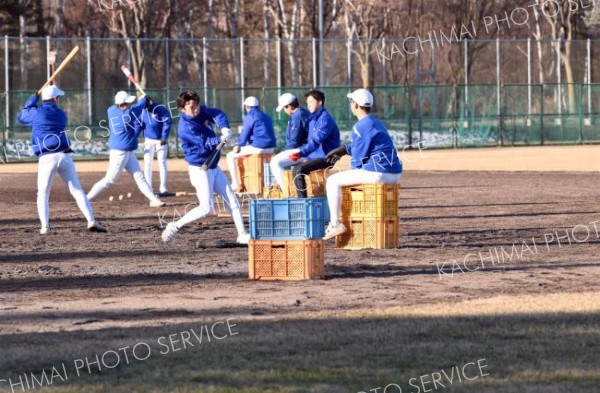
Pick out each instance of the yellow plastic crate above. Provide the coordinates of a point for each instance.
(272, 192)
(370, 201)
(250, 172)
(286, 259)
(315, 184)
(378, 233)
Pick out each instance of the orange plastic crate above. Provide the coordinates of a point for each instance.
(286, 259)
(378, 233)
(370, 201)
(250, 172)
(315, 184)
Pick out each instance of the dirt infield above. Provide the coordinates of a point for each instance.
(495, 267)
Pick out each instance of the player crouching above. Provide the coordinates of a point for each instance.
(373, 158)
(199, 143)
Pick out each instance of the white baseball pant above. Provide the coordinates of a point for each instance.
(119, 160)
(205, 183)
(151, 146)
(244, 151)
(61, 163)
(351, 177)
(280, 162)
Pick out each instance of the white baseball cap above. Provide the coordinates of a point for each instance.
(251, 101)
(362, 97)
(284, 100)
(50, 92)
(123, 97)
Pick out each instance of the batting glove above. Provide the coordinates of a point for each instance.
(224, 139)
(294, 157)
(226, 132)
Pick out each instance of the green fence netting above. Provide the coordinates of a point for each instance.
(433, 115)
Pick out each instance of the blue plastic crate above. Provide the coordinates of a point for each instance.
(292, 218)
(268, 177)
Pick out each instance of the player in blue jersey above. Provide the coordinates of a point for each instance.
(51, 144)
(156, 126)
(257, 137)
(374, 158)
(124, 121)
(296, 135)
(323, 136)
(199, 143)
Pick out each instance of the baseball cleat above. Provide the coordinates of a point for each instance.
(157, 203)
(244, 238)
(96, 227)
(334, 230)
(169, 232)
(44, 231)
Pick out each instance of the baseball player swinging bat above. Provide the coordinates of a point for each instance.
(60, 68)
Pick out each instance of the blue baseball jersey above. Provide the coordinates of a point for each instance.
(372, 148)
(48, 124)
(198, 139)
(257, 129)
(297, 129)
(156, 122)
(125, 125)
(323, 135)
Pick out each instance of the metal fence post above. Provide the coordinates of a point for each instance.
(6, 85)
(242, 77)
(47, 55)
(279, 68)
(88, 47)
(349, 54)
(314, 62)
(466, 65)
(589, 82)
(529, 81)
(205, 67)
(498, 99)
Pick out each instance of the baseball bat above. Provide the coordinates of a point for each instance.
(210, 159)
(60, 68)
(131, 78)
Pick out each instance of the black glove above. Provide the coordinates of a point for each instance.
(334, 155)
(163, 142)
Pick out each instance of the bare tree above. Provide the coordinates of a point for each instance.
(289, 29)
(140, 19)
(363, 21)
(563, 19)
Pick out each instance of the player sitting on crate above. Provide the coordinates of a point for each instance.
(323, 137)
(296, 134)
(373, 158)
(258, 130)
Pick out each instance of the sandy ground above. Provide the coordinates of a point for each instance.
(535, 159)
(72, 281)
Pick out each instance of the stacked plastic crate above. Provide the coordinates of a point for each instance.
(370, 212)
(315, 184)
(250, 172)
(286, 237)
